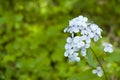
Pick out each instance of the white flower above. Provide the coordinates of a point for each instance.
(68, 52)
(97, 34)
(83, 51)
(87, 38)
(85, 30)
(83, 19)
(96, 31)
(93, 27)
(69, 29)
(87, 34)
(98, 71)
(96, 37)
(68, 46)
(76, 24)
(69, 39)
(78, 42)
(79, 21)
(74, 57)
(108, 47)
(74, 28)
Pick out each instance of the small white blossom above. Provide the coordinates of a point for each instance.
(68, 46)
(79, 21)
(96, 31)
(76, 24)
(69, 39)
(74, 29)
(68, 52)
(84, 30)
(98, 71)
(74, 57)
(87, 45)
(83, 51)
(108, 47)
(83, 19)
(78, 42)
(87, 38)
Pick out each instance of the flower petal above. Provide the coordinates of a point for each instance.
(99, 73)
(94, 71)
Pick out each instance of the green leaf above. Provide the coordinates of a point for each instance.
(91, 59)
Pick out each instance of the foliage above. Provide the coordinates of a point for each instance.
(32, 39)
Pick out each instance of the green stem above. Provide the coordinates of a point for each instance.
(99, 63)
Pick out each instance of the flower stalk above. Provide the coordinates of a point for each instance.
(99, 63)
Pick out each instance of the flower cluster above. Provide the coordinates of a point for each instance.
(82, 33)
(87, 31)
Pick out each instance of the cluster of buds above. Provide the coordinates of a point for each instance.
(82, 32)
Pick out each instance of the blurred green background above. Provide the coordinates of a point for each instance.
(32, 39)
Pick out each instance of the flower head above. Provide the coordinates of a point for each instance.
(96, 32)
(98, 71)
(108, 47)
(86, 31)
(78, 21)
(76, 24)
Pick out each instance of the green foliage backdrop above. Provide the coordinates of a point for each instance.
(32, 39)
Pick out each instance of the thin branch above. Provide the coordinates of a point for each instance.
(99, 63)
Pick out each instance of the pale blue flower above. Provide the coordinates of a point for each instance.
(74, 57)
(98, 71)
(108, 47)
